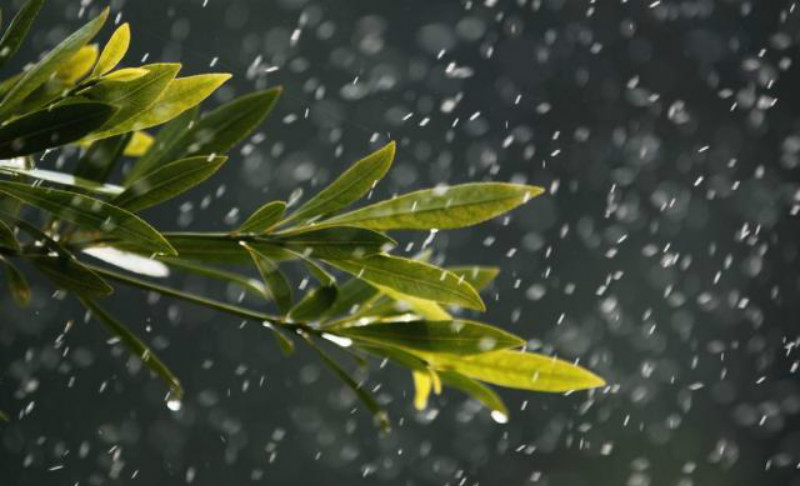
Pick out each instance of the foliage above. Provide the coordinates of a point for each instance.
(365, 301)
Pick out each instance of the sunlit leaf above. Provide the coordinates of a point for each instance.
(18, 29)
(413, 278)
(458, 337)
(365, 397)
(214, 133)
(132, 97)
(263, 218)
(126, 74)
(135, 345)
(77, 67)
(477, 276)
(52, 127)
(517, 369)
(273, 278)
(422, 388)
(478, 391)
(69, 180)
(349, 187)
(17, 283)
(101, 157)
(114, 50)
(139, 144)
(168, 182)
(439, 208)
(49, 64)
(313, 304)
(181, 94)
(91, 213)
(129, 261)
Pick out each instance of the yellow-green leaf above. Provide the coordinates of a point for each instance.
(457, 337)
(136, 346)
(126, 74)
(273, 278)
(17, 283)
(263, 218)
(91, 213)
(169, 181)
(139, 144)
(477, 276)
(478, 391)
(349, 187)
(517, 369)
(52, 127)
(114, 50)
(49, 64)
(439, 208)
(422, 388)
(69, 180)
(78, 66)
(413, 278)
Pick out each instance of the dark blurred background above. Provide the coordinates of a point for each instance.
(664, 256)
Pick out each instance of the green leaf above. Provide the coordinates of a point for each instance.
(422, 388)
(52, 127)
(18, 29)
(158, 153)
(273, 278)
(263, 218)
(181, 95)
(477, 276)
(76, 68)
(7, 238)
(478, 391)
(215, 132)
(458, 337)
(366, 398)
(135, 345)
(4, 417)
(49, 64)
(92, 214)
(526, 371)
(169, 181)
(352, 295)
(284, 342)
(314, 303)
(132, 97)
(349, 187)
(17, 283)
(246, 283)
(114, 51)
(439, 208)
(64, 179)
(413, 278)
(101, 157)
(334, 243)
(69, 274)
(214, 248)
(317, 271)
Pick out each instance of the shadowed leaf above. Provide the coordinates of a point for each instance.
(18, 29)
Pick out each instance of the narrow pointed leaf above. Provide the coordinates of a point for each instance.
(366, 398)
(168, 182)
(476, 390)
(413, 278)
(181, 95)
(139, 144)
(136, 346)
(251, 285)
(526, 371)
(314, 303)
(284, 342)
(132, 97)
(158, 154)
(114, 50)
(68, 180)
(92, 214)
(49, 64)
(70, 275)
(349, 187)
(18, 29)
(352, 294)
(77, 67)
(7, 238)
(263, 218)
(459, 337)
(52, 127)
(335, 243)
(422, 389)
(439, 208)
(477, 276)
(100, 158)
(274, 279)
(17, 283)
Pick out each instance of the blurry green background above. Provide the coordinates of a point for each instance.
(665, 255)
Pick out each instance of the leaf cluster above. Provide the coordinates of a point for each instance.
(364, 300)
